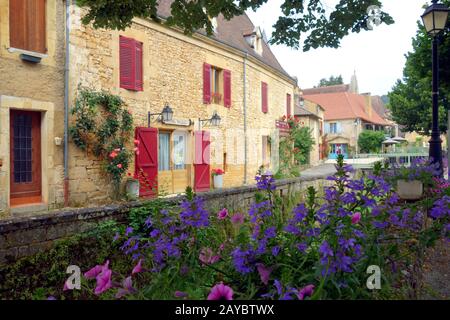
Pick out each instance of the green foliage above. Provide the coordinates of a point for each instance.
(305, 17)
(370, 141)
(410, 98)
(294, 149)
(103, 126)
(332, 81)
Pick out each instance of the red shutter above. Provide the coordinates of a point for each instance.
(202, 161)
(265, 107)
(127, 63)
(227, 88)
(139, 84)
(288, 105)
(206, 83)
(146, 163)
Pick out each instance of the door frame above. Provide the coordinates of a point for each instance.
(36, 162)
(48, 148)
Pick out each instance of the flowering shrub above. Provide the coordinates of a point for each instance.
(217, 172)
(321, 249)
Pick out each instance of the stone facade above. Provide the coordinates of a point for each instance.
(172, 65)
(39, 88)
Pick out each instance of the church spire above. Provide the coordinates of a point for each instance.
(354, 84)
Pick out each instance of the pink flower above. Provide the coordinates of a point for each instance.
(264, 273)
(95, 271)
(137, 268)
(119, 166)
(104, 282)
(237, 218)
(207, 256)
(137, 142)
(356, 217)
(66, 287)
(113, 155)
(222, 214)
(305, 292)
(126, 289)
(221, 292)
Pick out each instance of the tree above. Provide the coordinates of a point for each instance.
(332, 81)
(410, 98)
(370, 141)
(323, 29)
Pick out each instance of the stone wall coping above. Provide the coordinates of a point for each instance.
(72, 215)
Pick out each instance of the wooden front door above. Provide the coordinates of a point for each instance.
(25, 153)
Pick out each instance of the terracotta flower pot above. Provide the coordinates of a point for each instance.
(410, 190)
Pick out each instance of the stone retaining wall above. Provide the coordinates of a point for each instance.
(21, 237)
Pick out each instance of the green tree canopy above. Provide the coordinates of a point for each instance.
(410, 98)
(299, 17)
(370, 141)
(331, 81)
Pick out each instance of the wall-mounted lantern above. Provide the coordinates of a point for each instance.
(214, 120)
(165, 115)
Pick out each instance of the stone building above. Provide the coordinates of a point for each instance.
(232, 74)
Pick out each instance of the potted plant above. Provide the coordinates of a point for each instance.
(218, 178)
(132, 187)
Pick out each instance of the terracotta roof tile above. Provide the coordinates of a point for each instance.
(328, 89)
(345, 105)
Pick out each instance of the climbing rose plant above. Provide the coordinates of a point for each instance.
(103, 126)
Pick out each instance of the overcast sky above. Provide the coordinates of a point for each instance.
(377, 56)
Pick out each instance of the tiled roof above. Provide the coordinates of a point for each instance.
(345, 105)
(302, 112)
(328, 89)
(232, 33)
(379, 106)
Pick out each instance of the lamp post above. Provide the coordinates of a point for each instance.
(214, 121)
(435, 19)
(166, 115)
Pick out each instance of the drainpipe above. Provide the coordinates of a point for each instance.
(66, 107)
(245, 118)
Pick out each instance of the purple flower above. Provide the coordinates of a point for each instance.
(137, 268)
(128, 231)
(325, 251)
(95, 271)
(243, 260)
(221, 292)
(207, 256)
(222, 214)
(306, 291)
(264, 273)
(180, 294)
(193, 213)
(276, 251)
(103, 281)
(127, 288)
(51, 298)
(356, 217)
(237, 218)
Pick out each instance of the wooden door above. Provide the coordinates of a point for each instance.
(202, 161)
(25, 156)
(146, 164)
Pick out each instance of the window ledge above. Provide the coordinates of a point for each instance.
(30, 56)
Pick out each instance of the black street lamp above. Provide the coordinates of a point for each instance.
(166, 115)
(214, 120)
(435, 19)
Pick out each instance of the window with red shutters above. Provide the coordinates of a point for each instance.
(264, 97)
(131, 66)
(206, 83)
(227, 88)
(288, 105)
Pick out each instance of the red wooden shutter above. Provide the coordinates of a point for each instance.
(288, 105)
(227, 88)
(202, 161)
(265, 107)
(17, 24)
(139, 83)
(206, 83)
(146, 164)
(127, 63)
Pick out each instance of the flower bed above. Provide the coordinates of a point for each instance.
(321, 248)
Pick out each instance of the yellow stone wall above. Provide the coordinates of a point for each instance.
(173, 74)
(34, 87)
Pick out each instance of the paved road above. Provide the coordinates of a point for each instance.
(322, 170)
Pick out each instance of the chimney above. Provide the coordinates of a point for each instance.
(368, 104)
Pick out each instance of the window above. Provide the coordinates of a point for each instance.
(27, 25)
(131, 64)
(179, 151)
(264, 97)
(164, 152)
(333, 127)
(216, 85)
